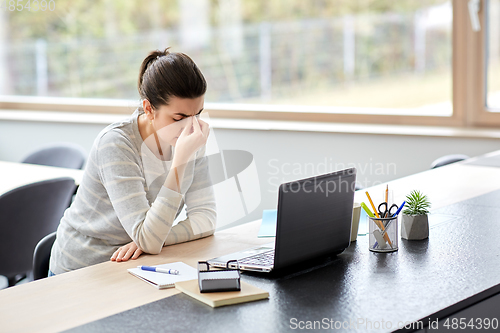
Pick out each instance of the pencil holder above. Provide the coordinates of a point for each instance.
(383, 234)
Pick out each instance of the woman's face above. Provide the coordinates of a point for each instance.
(169, 120)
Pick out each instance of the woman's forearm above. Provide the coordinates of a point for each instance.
(175, 176)
(183, 232)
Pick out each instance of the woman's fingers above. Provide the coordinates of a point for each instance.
(121, 253)
(128, 254)
(189, 142)
(200, 130)
(115, 254)
(204, 128)
(190, 125)
(187, 128)
(137, 253)
(124, 253)
(196, 125)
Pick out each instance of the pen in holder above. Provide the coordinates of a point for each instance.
(383, 234)
(218, 280)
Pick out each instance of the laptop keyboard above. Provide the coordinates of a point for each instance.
(261, 259)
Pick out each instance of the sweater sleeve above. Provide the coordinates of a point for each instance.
(200, 206)
(122, 176)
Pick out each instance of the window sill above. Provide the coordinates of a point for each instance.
(264, 125)
(435, 115)
(123, 106)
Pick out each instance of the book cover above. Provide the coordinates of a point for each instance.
(162, 280)
(248, 293)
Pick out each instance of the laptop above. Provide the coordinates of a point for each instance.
(314, 220)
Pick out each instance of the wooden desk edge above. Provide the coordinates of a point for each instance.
(62, 293)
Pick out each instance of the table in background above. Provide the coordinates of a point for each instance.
(14, 174)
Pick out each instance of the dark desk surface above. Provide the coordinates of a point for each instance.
(457, 266)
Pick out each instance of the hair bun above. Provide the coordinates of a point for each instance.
(163, 53)
(176, 76)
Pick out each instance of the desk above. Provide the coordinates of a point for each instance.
(13, 174)
(86, 295)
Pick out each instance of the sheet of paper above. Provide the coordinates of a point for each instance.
(162, 280)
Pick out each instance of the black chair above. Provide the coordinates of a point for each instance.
(448, 159)
(64, 155)
(27, 214)
(41, 256)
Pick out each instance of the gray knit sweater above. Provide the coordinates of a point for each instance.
(122, 198)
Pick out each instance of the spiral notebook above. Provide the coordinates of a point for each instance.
(162, 280)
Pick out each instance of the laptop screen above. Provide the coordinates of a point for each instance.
(314, 217)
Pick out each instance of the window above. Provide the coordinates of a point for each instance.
(493, 55)
(477, 56)
(372, 61)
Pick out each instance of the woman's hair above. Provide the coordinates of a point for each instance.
(165, 74)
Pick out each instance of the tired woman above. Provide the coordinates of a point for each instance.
(141, 172)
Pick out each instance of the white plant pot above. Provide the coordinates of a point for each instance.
(415, 227)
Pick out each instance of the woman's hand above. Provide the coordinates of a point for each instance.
(126, 251)
(192, 138)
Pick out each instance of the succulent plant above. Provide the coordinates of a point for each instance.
(416, 204)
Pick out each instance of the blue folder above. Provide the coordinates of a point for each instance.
(268, 225)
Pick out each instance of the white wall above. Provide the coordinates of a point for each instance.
(279, 155)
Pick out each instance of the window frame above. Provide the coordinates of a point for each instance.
(481, 115)
(468, 92)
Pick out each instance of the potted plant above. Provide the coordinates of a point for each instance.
(415, 223)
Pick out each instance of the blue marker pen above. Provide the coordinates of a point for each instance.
(399, 209)
(159, 270)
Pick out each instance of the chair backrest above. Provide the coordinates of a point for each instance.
(448, 159)
(27, 214)
(41, 256)
(64, 155)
